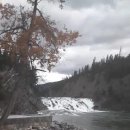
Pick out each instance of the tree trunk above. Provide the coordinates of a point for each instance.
(11, 103)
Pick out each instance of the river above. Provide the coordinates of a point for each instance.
(79, 112)
(97, 120)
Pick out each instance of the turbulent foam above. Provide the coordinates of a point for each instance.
(69, 104)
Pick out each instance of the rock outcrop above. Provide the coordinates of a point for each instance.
(28, 103)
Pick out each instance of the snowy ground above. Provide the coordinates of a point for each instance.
(69, 104)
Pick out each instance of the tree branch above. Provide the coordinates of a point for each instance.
(40, 70)
(12, 29)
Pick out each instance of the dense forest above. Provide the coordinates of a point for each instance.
(106, 82)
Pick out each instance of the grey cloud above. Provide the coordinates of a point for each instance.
(107, 27)
(103, 28)
(89, 3)
(97, 25)
(109, 32)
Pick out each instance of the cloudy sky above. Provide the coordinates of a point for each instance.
(103, 24)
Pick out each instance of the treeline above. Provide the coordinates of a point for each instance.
(112, 67)
(109, 82)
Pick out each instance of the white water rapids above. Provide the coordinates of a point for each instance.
(68, 104)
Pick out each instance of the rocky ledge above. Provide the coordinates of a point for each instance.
(62, 126)
(53, 126)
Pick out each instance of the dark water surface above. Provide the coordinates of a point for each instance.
(97, 120)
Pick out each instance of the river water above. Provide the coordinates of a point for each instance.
(97, 120)
(79, 112)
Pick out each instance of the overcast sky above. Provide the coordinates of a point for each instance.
(103, 24)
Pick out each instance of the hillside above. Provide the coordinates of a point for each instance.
(106, 82)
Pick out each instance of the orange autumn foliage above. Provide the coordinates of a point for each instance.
(26, 35)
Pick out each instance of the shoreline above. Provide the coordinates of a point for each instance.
(35, 122)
